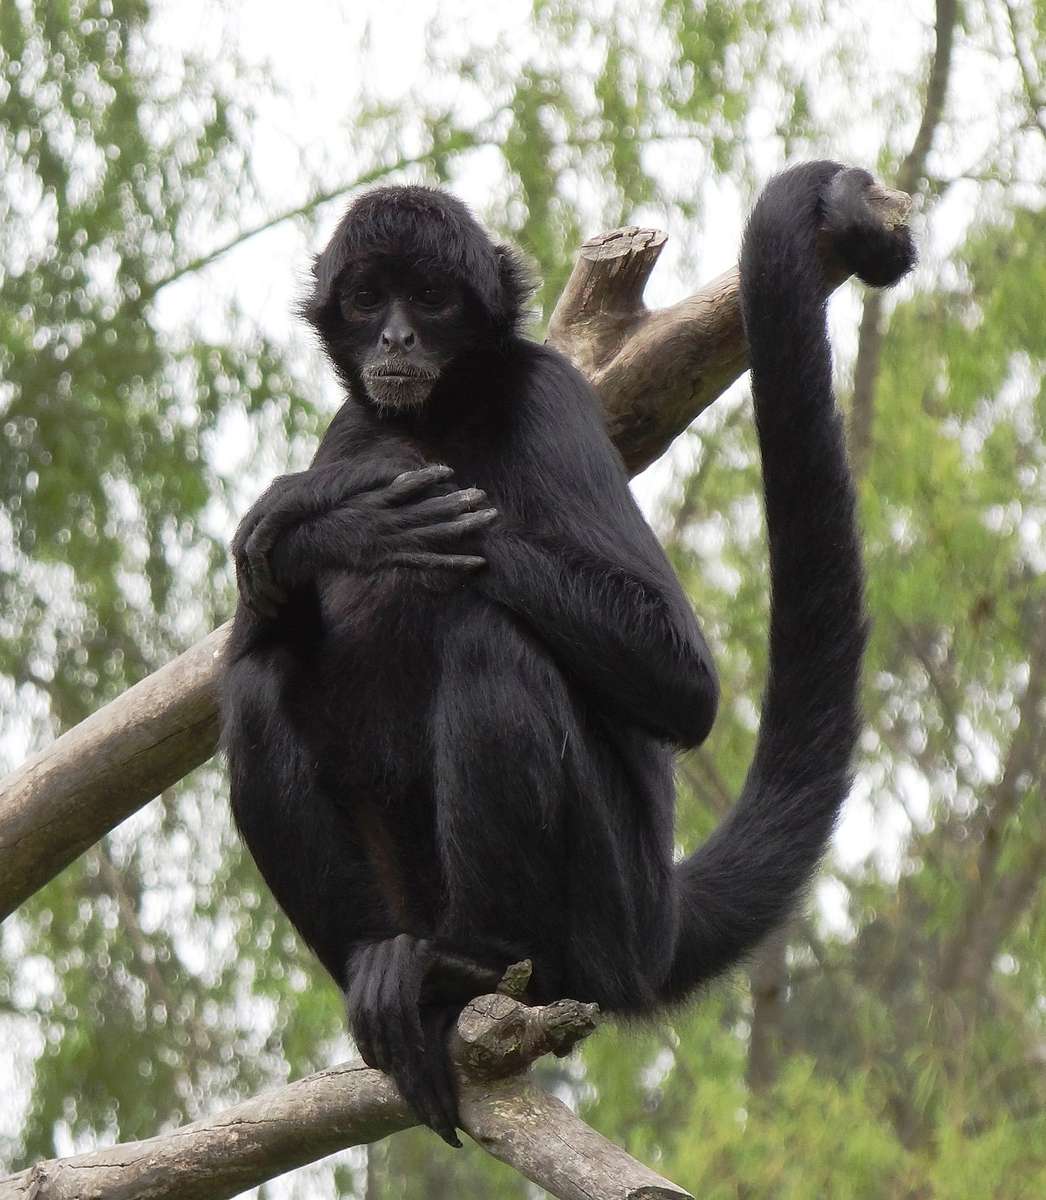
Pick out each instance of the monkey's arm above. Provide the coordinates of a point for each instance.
(585, 572)
(629, 644)
(353, 516)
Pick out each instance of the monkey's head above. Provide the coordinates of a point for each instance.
(408, 285)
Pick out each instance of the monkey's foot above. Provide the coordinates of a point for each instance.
(405, 993)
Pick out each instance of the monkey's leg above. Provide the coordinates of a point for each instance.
(319, 858)
(498, 858)
(500, 782)
(309, 851)
(556, 843)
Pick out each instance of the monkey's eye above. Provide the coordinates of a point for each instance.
(433, 297)
(366, 298)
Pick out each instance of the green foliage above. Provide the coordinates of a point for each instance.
(155, 980)
(104, 475)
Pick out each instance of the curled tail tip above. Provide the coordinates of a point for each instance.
(860, 225)
(868, 227)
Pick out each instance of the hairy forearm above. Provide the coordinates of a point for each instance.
(328, 541)
(612, 632)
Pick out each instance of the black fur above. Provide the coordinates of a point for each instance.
(434, 232)
(445, 766)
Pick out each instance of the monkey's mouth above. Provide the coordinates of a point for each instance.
(396, 385)
(399, 373)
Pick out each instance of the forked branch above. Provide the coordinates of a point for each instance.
(348, 1105)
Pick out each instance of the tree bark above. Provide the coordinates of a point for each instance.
(769, 979)
(998, 895)
(62, 800)
(497, 1039)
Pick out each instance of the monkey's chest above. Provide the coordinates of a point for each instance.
(381, 651)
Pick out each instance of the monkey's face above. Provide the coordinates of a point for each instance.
(399, 330)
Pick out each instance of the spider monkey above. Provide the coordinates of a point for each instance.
(461, 663)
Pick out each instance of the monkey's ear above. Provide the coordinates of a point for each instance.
(326, 267)
(517, 283)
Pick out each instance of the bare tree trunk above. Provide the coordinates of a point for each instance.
(769, 976)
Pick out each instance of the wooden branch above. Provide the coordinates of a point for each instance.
(997, 894)
(497, 1040)
(654, 370)
(65, 798)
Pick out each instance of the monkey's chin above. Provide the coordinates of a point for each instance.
(399, 393)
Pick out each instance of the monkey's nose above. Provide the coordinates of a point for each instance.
(397, 336)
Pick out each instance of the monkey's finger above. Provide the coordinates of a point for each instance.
(354, 998)
(428, 559)
(265, 597)
(367, 1025)
(249, 523)
(426, 1101)
(249, 597)
(258, 556)
(429, 511)
(262, 584)
(395, 1003)
(260, 609)
(409, 1052)
(417, 1079)
(275, 523)
(413, 483)
(420, 1069)
(440, 1071)
(470, 522)
(395, 1038)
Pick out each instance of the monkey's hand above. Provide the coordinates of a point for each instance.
(328, 517)
(404, 996)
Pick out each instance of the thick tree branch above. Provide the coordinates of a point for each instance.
(348, 1105)
(997, 897)
(65, 798)
(1026, 66)
(654, 370)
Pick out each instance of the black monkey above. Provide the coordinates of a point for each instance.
(461, 662)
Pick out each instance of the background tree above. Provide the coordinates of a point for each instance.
(892, 1043)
